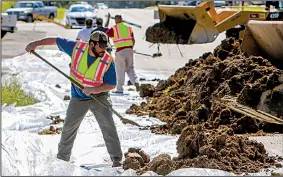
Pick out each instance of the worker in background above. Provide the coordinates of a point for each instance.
(99, 24)
(124, 42)
(271, 3)
(84, 33)
(98, 77)
(99, 27)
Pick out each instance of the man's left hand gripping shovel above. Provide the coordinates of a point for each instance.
(124, 120)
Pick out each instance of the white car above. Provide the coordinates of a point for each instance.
(101, 6)
(8, 24)
(77, 13)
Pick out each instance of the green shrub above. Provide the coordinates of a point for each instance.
(60, 13)
(6, 5)
(12, 93)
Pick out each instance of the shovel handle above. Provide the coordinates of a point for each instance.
(71, 79)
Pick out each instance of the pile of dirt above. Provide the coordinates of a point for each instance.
(214, 149)
(191, 103)
(193, 94)
(171, 31)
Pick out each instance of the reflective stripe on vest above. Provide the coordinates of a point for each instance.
(122, 35)
(88, 76)
(79, 53)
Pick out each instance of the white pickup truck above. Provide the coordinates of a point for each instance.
(25, 10)
(8, 24)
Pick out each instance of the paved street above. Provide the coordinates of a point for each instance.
(14, 44)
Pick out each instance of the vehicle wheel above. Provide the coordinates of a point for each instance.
(3, 33)
(51, 16)
(29, 19)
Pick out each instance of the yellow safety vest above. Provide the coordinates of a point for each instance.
(122, 35)
(91, 76)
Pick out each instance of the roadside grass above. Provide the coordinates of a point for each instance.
(60, 13)
(6, 5)
(12, 93)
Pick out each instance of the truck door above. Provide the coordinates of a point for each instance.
(37, 9)
(44, 11)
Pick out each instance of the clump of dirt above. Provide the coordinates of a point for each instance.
(52, 130)
(191, 103)
(227, 48)
(146, 90)
(161, 164)
(135, 158)
(171, 31)
(276, 174)
(155, 79)
(66, 97)
(55, 119)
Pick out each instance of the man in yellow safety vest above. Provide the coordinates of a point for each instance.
(124, 42)
(93, 68)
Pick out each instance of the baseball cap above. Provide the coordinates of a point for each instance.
(101, 38)
(88, 21)
(118, 16)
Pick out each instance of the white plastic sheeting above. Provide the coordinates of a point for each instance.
(24, 152)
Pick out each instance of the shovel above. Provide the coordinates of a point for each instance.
(124, 120)
(153, 56)
(144, 54)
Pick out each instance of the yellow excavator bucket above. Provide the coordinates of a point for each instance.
(191, 25)
(264, 38)
(202, 24)
(200, 29)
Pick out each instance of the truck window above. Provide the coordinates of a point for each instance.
(40, 4)
(36, 5)
(23, 5)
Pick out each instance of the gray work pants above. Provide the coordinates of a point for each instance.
(77, 109)
(124, 62)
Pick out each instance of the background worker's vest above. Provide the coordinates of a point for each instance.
(122, 35)
(88, 76)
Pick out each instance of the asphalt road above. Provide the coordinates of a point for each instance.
(173, 56)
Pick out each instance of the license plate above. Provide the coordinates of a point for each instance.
(4, 28)
(22, 16)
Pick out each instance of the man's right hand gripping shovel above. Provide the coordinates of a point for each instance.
(124, 120)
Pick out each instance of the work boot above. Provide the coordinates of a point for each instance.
(129, 83)
(71, 159)
(116, 162)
